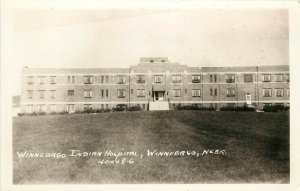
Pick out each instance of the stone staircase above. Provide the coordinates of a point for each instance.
(159, 105)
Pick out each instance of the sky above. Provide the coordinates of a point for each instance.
(118, 38)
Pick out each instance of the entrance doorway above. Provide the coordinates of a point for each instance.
(158, 95)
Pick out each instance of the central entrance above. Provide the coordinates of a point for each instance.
(158, 95)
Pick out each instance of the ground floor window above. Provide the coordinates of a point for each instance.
(29, 108)
(70, 108)
(230, 104)
(87, 106)
(267, 104)
(41, 108)
(52, 107)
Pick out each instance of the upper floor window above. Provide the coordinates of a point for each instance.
(88, 79)
(279, 92)
(248, 78)
(121, 79)
(176, 79)
(52, 79)
(41, 79)
(196, 79)
(158, 79)
(52, 94)
(230, 78)
(41, 94)
(176, 93)
(107, 79)
(212, 78)
(30, 94)
(87, 93)
(71, 92)
(141, 93)
(121, 93)
(30, 80)
(213, 92)
(196, 93)
(230, 92)
(278, 77)
(266, 77)
(140, 79)
(71, 79)
(267, 92)
(288, 92)
(288, 78)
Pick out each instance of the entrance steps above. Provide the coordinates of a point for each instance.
(159, 105)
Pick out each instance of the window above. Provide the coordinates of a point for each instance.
(71, 79)
(176, 79)
(158, 79)
(106, 93)
(102, 80)
(107, 79)
(140, 79)
(131, 91)
(30, 80)
(87, 93)
(216, 92)
(102, 93)
(88, 79)
(230, 92)
(41, 108)
(278, 77)
(141, 93)
(121, 79)
(266, 77)
(212, 78)
(176, 93)
(196, 93)
(30, 94)
(71, 92)
(288, 92)
(70, 108)
(248, 78)
(102, 106)
(196, 79)
(288, 78)
(121, 94)
(267, 92)
(279, 92)
(29, 108)
(41, 79)
(52, 107)
(87, 106)
(52, 80)
(213, 92)
(106, 106)
(41, 94)
(52, 94)
(230, 78)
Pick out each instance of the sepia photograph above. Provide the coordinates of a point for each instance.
(154, 95)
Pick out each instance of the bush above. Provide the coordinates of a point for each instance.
(275, 108)
(120, 107)
(134, 108)
(244, 108)
(194, 107)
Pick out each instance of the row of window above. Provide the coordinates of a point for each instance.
(230, 78)
(121, 93)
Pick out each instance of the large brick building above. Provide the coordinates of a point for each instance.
(155, 83)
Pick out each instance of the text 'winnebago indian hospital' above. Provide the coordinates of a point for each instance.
(154, 84)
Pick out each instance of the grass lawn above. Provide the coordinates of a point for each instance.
(257, 147)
